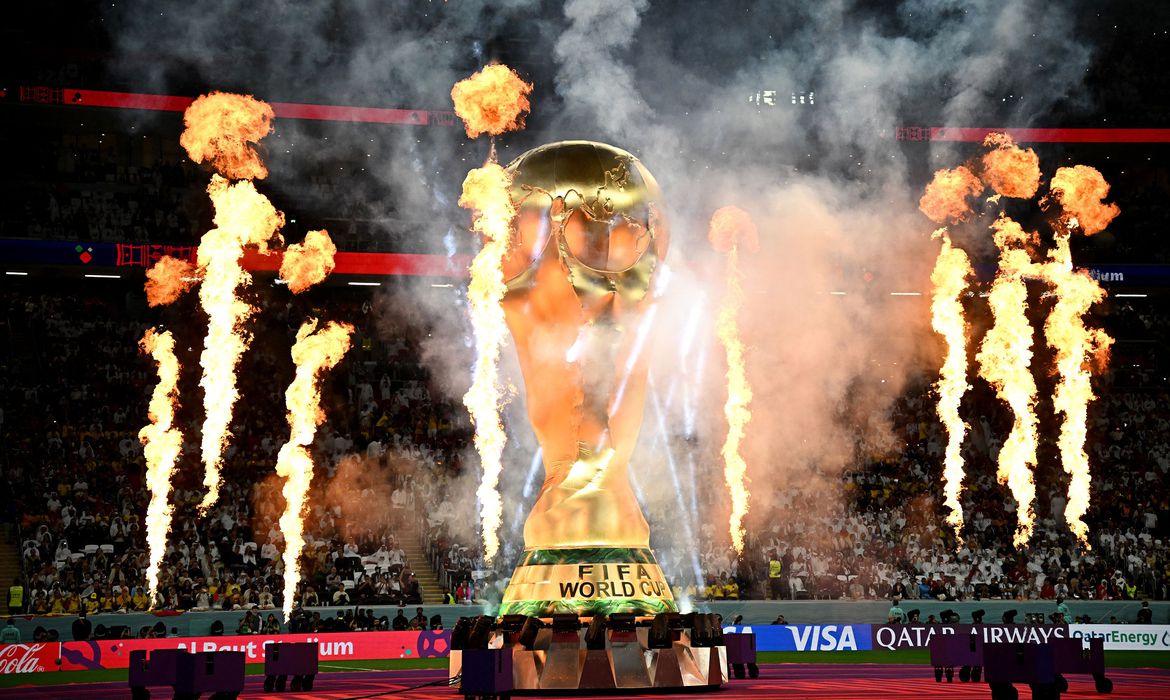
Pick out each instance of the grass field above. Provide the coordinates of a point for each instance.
(1113, 659)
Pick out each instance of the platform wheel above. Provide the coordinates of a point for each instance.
(295, 685)
(281, 682)
(753, 671)
(307, 682)
(269, 683)
(1061, 684)
(1103, 684)
(964, 674)
(1044, 691)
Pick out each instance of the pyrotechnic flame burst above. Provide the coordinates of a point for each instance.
(730, 228)
(492, 101)
(162, 443)
(1010, 170)
(1006, 351)
(1080, 191)
(167, 279)
(221, 127)
(1004, 359)
(945, 198)
(485, 192)
(1076, 347)
(314, 352)
(951, 270)
(243, 216)
(309, 262)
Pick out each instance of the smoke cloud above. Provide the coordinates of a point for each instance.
(787, 110)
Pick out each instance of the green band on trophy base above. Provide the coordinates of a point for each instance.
(588, 581)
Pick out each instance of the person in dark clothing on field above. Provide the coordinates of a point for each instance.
(1145, 615)
(400, 623)
(82, 627)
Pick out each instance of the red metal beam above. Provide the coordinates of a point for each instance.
(952, 133)
(285, 110)
(378, 264)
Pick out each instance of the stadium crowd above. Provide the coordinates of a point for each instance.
(888, 538)
(75, 387)
(74, 463)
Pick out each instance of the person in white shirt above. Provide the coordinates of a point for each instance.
(397, 556)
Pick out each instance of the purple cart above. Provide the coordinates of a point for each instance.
(220, 673)
(284, 659)
(965, 651)
(158, 668)
(1007, 664)
(487, 673)
(741, 654)
(1071, 656)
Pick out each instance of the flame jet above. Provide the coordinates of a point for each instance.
(485, 191)
(243, 217)
(162, 443)
(1004, 361)
(1080, 191)
(1076, 348)
(220, 129)
(731, 228)
(314, 353)
(951, 271)
(492, 101)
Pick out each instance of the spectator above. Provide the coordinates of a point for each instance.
(16, 597)
(1145, 615)
(10, 634)
(896, 616)
(82, 628)
(400, 623)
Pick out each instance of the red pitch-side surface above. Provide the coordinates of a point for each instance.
(814, 681)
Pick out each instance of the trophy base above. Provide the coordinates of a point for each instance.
(587, 581)
(560, 663)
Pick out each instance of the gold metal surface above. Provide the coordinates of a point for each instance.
(587, 239)
(587, 582)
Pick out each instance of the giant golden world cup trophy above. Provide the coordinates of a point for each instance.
(588, 237)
